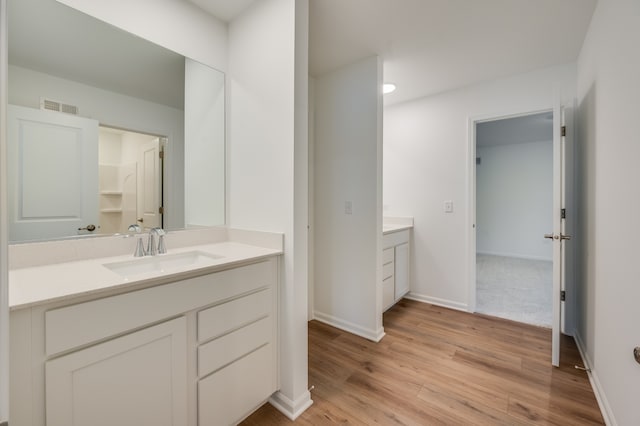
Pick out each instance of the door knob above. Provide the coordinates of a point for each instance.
(557, 237)
(89, 228)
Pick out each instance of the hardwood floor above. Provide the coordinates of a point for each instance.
(437, 366)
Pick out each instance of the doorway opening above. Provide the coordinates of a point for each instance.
(130, 179)
(513, 207)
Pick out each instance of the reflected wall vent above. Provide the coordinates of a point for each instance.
(51, 105)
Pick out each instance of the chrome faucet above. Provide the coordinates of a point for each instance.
(152, 250)
(139, 252)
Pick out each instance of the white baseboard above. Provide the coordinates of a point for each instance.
(517, 256)
(603, 403)
(288, 407)
(373, 335)
(439, 302)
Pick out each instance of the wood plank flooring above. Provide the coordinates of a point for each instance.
(437, 366)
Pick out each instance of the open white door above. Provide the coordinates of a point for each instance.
(52, 174)
(150, 185)
(558, 236)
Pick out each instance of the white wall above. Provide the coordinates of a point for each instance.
(609, 103)
(204, 177)
(115, 110)
(426, 161)
(4, 280)
(267, 162)
(177, 25)
(514, 200)
(347, 167)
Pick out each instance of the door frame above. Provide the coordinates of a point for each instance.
(471, 193)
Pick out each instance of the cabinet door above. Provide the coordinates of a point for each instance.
(402, 270)
(136, 379)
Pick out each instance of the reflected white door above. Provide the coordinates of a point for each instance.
(150, 184)
(559, 223)
(52, 174)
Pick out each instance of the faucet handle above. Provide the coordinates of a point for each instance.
(134, 228)
(158, 231)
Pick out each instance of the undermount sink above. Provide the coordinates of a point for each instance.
(161, 263)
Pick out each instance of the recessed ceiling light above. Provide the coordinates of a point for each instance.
(388, 88)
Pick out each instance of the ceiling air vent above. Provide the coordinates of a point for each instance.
(51, 105)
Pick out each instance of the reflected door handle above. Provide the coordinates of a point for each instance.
(557, 237)
(141, 220)
(89, 228)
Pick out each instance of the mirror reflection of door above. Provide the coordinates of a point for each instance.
(130, 180)
(52, 174)
(149, 184)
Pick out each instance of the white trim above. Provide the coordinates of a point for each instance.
(603, 403)
(4, 279)
(373, 335)
(438, 302)
(515, 255)
(291, 409)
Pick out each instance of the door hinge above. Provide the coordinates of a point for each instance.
(161, 153)
(563, 295)
(563, 213)
(161, 210)
(563, 131)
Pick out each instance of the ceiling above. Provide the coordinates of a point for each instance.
(431, 46)
(225, 10)
(427, 46)
(516, 130)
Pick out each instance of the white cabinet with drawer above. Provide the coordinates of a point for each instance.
(395, 267)
(201, 351)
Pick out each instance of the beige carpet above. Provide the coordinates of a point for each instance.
(515, 289)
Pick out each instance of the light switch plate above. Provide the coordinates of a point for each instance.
(348, 207)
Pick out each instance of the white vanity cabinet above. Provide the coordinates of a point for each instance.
(136, 379)
(395, 266)
(198, 351)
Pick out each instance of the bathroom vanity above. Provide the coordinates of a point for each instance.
(186, 338)
(396, 238)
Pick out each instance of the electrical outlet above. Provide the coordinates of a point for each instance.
(448, 206)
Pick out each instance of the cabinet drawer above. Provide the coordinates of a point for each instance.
(388, 290)
(218, 320)
(228, 395)
(226, 349)
(387, 255)
(76, 325)
(387, 271)
(395, 238)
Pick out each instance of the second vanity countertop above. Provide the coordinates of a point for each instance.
(390, 228)
(35, 285)
(396, 224)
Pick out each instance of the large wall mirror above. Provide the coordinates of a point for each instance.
(106, 129)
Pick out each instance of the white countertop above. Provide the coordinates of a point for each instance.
(389, 228)
(37, 285)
